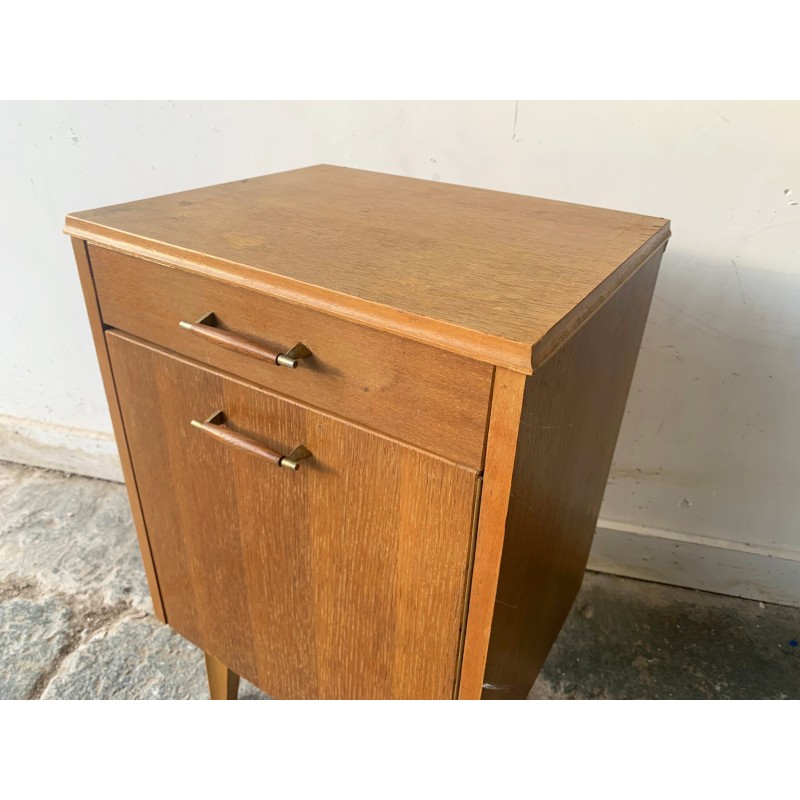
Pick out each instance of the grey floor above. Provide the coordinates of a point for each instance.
(76, 621)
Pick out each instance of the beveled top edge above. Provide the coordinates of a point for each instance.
(491, 346)
(517, 356)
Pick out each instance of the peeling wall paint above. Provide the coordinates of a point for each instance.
(710, 440)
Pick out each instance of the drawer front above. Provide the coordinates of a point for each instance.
(343, 579)
(435, 400)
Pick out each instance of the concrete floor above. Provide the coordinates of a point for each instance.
(76, 620)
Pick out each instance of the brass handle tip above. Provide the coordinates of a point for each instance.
(196, 423)
(284, 361)
(187, 325)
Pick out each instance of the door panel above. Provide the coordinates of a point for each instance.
(344, 579)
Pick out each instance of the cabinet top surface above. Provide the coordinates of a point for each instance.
(500, 277)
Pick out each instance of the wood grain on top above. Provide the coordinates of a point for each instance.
(498, 277)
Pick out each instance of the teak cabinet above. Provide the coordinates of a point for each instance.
(366, 421)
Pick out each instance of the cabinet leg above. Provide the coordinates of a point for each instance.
(223, 684)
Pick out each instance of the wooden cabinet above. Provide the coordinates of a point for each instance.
(366, 421)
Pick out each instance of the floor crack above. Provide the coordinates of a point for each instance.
(87, 621)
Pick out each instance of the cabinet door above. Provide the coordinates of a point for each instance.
(343, 579)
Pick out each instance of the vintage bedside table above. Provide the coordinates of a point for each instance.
(366, 421)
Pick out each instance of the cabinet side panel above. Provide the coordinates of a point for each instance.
(95, 320)
(571, 416)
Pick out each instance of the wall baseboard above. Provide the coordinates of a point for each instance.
(39, 444)
(697, 562)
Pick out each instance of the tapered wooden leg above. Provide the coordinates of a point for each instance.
(223, 684)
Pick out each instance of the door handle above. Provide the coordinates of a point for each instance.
(214, 426)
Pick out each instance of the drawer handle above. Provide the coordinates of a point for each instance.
(205, 329)
(214, 426)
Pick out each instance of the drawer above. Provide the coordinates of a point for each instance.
(433, 399)
(344, 578)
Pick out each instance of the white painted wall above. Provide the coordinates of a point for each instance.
(708, 459)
